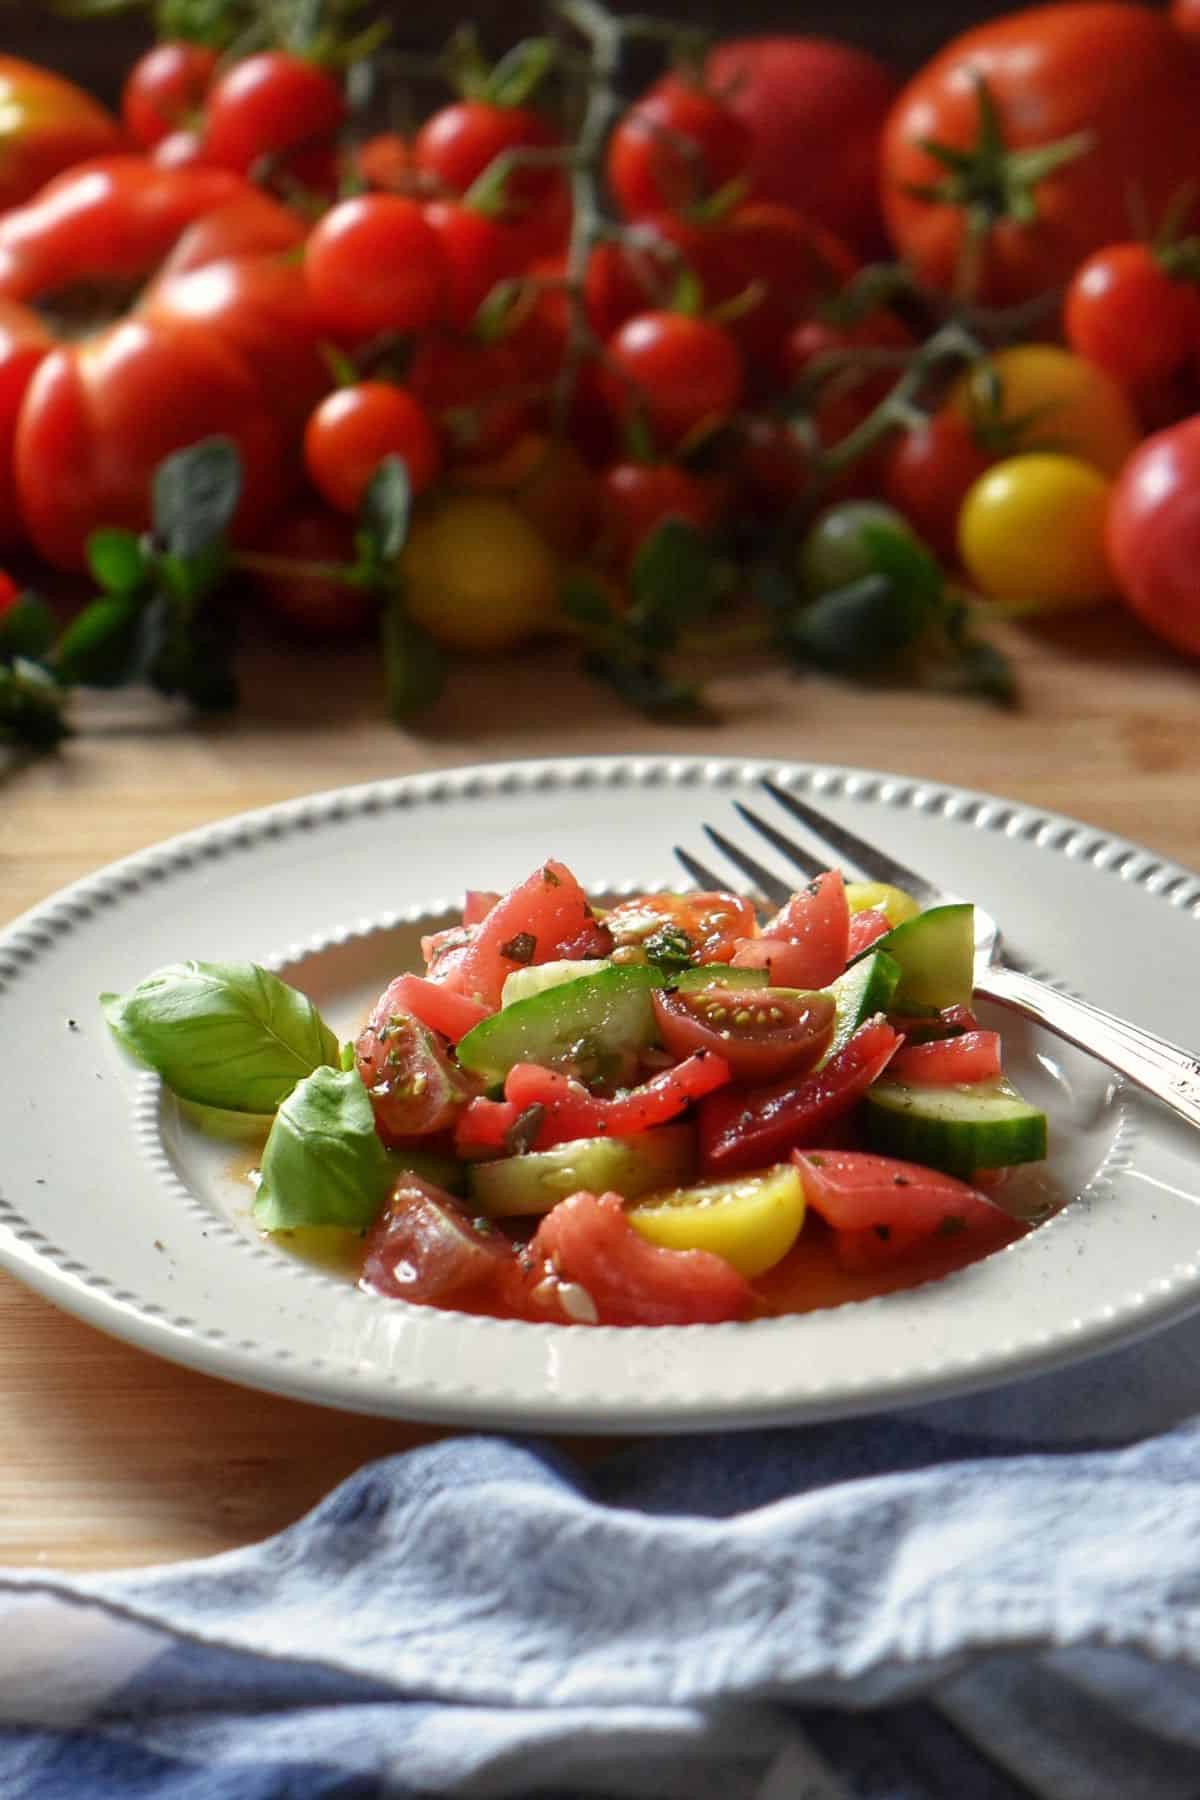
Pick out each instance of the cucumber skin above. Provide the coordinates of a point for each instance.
(927, 989)
(533, 1030)
(687, 981)
(524, 1186)
(905, 1121)
(877, 975)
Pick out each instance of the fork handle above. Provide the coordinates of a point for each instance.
(1171, 1074)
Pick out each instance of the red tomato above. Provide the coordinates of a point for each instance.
(49, 125)
(1154, 534)
(165, 89)
(674, 148)
(815, 112)
(750, 1128)
(458, 143)
(880, 1208)
(771, 267)
(639, 496)
(587, 1239)
(774, 463)
(100, 416)
(179, 150)
(476, 393)
(572, 1112)
(1099, 67)
(386, 161)
(451, 1015)
(375, 264)
(760, 1033)
(973, 1056)
(415, 1089)
(1135, 311)
(866, 928)
(483, 1127)
(477, 904)
(272, 105)
(713, 923)
(474, 255)
(24, 342)
(681, 372)
(424, 1248)
(542, 919)
(928, 472)
(311, 602)
(817, 922)
(1185, 16)
(787, 964)
(354, 428)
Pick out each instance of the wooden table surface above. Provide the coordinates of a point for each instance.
(113, 1458)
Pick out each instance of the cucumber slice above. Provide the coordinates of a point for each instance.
(576, 1025)
(936, 954)
(986, 1125)
(865, 989)
(522, 984)
(718, 975)
(533, 1183)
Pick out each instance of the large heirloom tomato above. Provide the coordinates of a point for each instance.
(1013, 154)
(46, 125)
(222, 341)
(1154, 534)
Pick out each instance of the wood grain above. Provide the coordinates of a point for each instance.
(114, 1458)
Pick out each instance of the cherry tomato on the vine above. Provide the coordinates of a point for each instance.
(1134, 310)
(306, 599)
(548, 482)
(476, 392)
(457, 144)
(48, 125)
(474, 254)
(678, 372)
(675, 148)
(1185, 16)
(1154, 534)
(165, 89)
(272, 104)
(1041, 397)
(1032, 529)
(375, 263)
(477, 576)
(354, 428)
(774, 462)
(638, 497)
(386, 161)
(928, 472)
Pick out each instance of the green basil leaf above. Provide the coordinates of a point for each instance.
(27, 628)
(860, 626)
(101, 647)
(195, 495)
(414, 666)
(649, 688)
(230, 1035)
(31, 707)
(675, 581)
(905, 561)
(323, 1163)
(117, 559)
(385, 508)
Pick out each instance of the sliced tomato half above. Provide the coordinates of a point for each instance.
(881, 1208)
(570, 1111)
(760, 1032)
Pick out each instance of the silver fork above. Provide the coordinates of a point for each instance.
(1163, 1069)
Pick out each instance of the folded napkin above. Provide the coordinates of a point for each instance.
(992, 1598)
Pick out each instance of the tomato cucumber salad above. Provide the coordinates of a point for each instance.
(642, 1114)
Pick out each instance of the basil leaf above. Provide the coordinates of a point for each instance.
(229, 1035)
(856, 627)
(117, 559)
(100, 647)
(323, 1163)
(414, 666)
(385, 508)
(27, 628)
(195, 495)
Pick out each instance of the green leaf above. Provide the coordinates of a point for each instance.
(386, 506)
(905, 562)
(646, 686)
(118, 560)
(518, 75)
(857, 627)
(31, 707)
(323, 1163)
(101, 647)
(675, 582)
(195, 495)
(586, 602)
(27, 628)
(230, 1035)
(414, 666)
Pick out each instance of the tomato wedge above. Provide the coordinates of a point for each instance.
(760, 1032)
(866, 928)
(713, 923)
(588, 1239)
(546, 917)
(435, 1005)
(572, 1112)
(880, 1208)
(415, 1089)
(749, 1128)
(974, 1056)
(424, 1248)
(817, 922)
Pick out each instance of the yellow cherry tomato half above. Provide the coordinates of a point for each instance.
(1040, 397)
(1032, 529)
(477, 576)
(881, 896)
(752, 1223)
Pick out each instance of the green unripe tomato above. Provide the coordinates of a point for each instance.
(833, 554)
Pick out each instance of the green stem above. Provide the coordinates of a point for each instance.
(952, 343)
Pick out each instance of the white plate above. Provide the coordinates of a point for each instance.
(115, 1210)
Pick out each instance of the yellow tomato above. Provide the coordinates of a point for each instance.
(1038, 397)
(477, 576)
(752, 1222)
(881, 896)
(548, 482)
(1032, 529)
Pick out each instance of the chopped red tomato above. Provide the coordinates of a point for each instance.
(866, 928)
(973, 1056)
(750, 1128)
(415, 1089)
(546, 917)
(760, 1032)
(572, 1112)
(477, 904)
(895, 1204)
(713, 924)
(818, 919)
(587, 1240)
(788, 965)
(434, 1004)
(482, 1127)
(424, 1248)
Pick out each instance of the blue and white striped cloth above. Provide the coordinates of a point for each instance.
(989, 1599)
